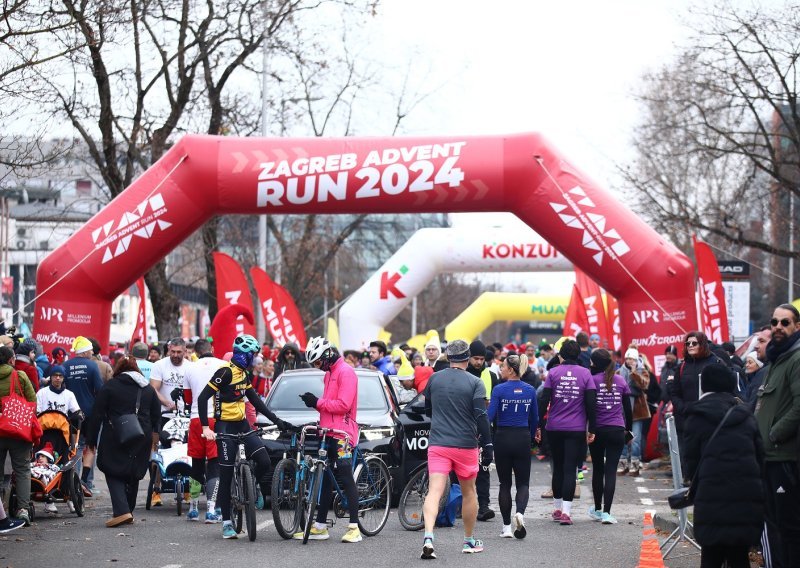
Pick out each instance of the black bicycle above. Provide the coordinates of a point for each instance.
(243, 486)
(409, 510)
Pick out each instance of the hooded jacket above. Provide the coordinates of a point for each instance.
(338, 405)
(281, 364)
(25, 384)
(778, 406)
(684, 389)
(729, 502)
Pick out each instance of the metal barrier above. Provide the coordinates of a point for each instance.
(679, 534)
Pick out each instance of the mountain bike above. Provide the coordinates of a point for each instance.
(297, 487)
(409, 510)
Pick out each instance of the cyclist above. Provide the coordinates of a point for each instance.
(229, 386)
(337, 409)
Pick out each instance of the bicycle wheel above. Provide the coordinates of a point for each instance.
(284, 498)
(236, 503)
(179, 494)
(249, 499)
(374, 495)
(313, 498)
(412, 499)
(76, 493)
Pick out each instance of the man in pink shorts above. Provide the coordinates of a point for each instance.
(456, 402)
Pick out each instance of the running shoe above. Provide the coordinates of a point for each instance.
(608, 519)
(86, 491)
(472, 546)
(595, 515)
(71, 506)
(313, 534)
(24, 516)
(156, 500)
(193, 515)
(7, 525)
(352, 535)
(228, 531)
(557, 515)
(622, 468)
(485, 514)
(213, 518)
(519, 525)
(506, 532)
(580, 475)
(51, 508)
(260, 502)
(427, 550)
(565, 520)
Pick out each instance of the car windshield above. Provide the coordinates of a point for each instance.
(287, 391)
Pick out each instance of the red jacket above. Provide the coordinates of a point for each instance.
(30, 370)
(339, 403)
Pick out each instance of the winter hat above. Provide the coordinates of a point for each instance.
(81, 345)
(47, 451)
(25, 347)
(405, 370)
(594, 336)
(717, 378)
(433, 340)
(754, 356)
(457, 351)
(671, 350)
(510, 348)
(600, 360)
(57, 369)
(140, 350)
(632, 353)
(477, 349)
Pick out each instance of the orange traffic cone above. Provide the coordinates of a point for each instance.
(650, 556)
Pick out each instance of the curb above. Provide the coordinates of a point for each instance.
(668, 523)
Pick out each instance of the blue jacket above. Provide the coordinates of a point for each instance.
(385, 366)
(82, 377)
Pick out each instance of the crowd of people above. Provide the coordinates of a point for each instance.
(573, 402)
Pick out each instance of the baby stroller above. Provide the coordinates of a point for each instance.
(65, 487)
(170, 466)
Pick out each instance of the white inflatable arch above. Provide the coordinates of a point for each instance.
(434, 251)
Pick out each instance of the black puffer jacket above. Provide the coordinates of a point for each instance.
(729, 503)
(684, 389)
(282, 364)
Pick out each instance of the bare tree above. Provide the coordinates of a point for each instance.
(718, 147)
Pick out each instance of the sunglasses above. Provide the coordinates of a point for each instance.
(692, 343)
(785, 322)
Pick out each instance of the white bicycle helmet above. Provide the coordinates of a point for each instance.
(320, 349)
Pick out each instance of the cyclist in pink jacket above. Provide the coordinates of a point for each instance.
(337, 409)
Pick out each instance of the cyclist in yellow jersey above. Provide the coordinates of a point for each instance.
(229, 386)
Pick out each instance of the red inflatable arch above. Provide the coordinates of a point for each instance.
(203, 176)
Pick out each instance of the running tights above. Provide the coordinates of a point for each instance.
(605, 450)
(565, 448)
(227, 450)
(343, 470)
(512, 454)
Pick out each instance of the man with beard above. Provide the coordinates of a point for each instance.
(477, 367)
(288, 359)
(778, 417)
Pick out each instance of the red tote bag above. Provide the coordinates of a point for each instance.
(17, 415)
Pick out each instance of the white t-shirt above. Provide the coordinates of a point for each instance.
(197, 376)
(64, 401)
(170, 377)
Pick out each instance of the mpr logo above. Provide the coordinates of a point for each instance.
(52, 313)
(643, 316)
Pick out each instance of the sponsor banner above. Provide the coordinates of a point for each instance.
(653, 334)
(593, 302)
(279, 311)
(58, 324)
(292, 322)
(713, 313)
(733, 269)
(140, 327)
(576, 319)
(612, 316)
(232, 288)
(737, 300)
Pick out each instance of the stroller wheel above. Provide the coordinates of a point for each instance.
(76, 494)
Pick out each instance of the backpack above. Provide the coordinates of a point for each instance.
(447, 516)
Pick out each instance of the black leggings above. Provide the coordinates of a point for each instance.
(566, 450)
(227, 450)
(204, 470)
(343, 470)
(512, 454)
(606, 450)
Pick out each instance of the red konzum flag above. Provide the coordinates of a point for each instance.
(576, 319)
(713, 315)
(140, 328)
(593, 302)
(232, 288)
(279, 310)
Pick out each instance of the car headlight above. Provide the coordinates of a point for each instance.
(372, 434)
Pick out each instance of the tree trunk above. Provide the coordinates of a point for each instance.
(166, 306)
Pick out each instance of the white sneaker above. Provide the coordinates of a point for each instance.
(519, 525)
(51, 508)
(506, 532)
(71, 506)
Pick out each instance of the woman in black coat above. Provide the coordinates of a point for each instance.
(729, 498)
(125, 466)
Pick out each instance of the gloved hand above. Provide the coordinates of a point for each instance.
(176, 394)
(309, 399)
(284, 426)
(487, 455)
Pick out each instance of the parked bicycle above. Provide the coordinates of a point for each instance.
(297, 487)
(243, 486)
(409, 510)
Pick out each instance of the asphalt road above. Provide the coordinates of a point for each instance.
(159, 538)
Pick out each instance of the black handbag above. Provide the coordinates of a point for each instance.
(127, 428)
(684, 497)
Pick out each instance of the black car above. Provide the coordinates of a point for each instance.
(400, 437)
